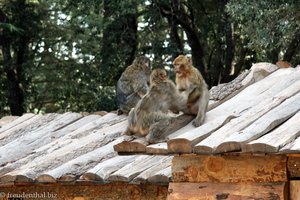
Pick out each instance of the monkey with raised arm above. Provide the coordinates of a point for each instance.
(153, 107)
(133, 84)
(190, 80)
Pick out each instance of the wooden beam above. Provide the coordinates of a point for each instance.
(293, 166)
(228, 137)
(294, 190)
(131, 145)
(219, 191)
(229, 168)
(277, 138)
(135, 168)
(184, 143)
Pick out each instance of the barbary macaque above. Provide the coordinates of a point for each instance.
(133, 84)
(153, 107)
(190, 80)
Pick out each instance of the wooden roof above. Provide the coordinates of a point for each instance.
(258, 112)
(71, 147)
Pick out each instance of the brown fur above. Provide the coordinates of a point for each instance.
(190, 80)
(154, 106)
(133, 84)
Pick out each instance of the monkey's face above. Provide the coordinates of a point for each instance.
(181, 63)
(180, 69)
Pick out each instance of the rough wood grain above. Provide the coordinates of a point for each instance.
(229, 168)
(277, 138)
(184, 143)
(102, 170)
(24, 143)
(82, 163)
(16, 131)
(130, 171)
(257, 92)
(162, 176)
(220, 191)
(45, 160)
(159, 148)
(45, 178)
(15, 179)
(209, 144)
(131, 145)
(16, 122)
(293, 166)
(226, 91)
(261, 126)
(52, 142)
(294, 190)
(153, 172)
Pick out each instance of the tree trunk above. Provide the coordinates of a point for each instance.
(179, 16)
(15, 93)
(229, 51)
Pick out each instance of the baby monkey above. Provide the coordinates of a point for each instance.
(154, 106)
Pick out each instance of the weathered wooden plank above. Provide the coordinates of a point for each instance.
(45, 160)
(16, 122)
(29, 125)
(102, 170)
(15, 179)
(294, 190)
(184, 143)
(74, 126)
(49, 143)
(209, 144)
(152, 172)
(84, 162)
(219, 191)
(130, 171)
(24, 143)
(131, 145)
(277, 138)
(229, 168)
(45, 178)
(162, 176)
(159, 148)
(226, 91)
(257, 92)
(261, 126)
(7, 119)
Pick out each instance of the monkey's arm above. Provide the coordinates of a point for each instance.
(194, 95)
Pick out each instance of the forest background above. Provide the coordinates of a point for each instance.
(66, 55)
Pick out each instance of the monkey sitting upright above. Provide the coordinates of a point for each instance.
(153, 107)
(133, 84)
(190, 80)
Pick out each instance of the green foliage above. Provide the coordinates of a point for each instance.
(68, 55)
(268, 24)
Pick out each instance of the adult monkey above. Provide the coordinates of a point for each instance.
(153, 107)
(133, 84)
(190, 80)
